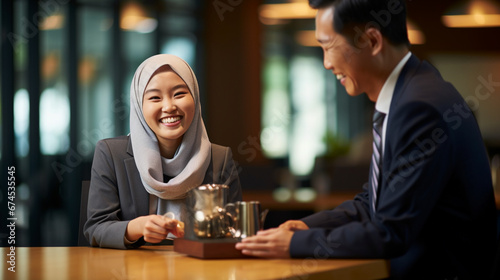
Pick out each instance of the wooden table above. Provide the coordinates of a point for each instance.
(161, 262)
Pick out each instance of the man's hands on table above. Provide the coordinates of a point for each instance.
(271, 243)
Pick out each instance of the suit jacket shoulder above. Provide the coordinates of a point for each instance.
(223, 170)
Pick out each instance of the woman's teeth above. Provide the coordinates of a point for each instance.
(170, 120)
(340, 76)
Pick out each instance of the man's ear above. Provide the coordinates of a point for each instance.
(375, 40)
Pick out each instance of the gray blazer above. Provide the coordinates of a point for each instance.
(116, 193)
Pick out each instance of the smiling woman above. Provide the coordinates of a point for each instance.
(168, 108)
(137, 179)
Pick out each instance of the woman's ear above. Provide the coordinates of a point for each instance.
(375, 40)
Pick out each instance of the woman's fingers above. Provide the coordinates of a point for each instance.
(158, 227)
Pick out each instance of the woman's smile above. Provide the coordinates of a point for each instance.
(171, 121)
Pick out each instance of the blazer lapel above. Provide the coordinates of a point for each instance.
(138, 193)
(408, 71)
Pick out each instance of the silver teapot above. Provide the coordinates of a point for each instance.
(212, 217)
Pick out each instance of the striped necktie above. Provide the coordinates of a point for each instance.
(378, 120)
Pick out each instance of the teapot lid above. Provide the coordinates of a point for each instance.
(210, 187)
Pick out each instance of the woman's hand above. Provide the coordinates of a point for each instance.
(154, 228)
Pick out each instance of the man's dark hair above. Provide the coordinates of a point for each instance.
(351, 17)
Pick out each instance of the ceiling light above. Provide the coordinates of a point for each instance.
(52, 22)
(294, 10)
(473, 14)
(415, 35)
(134, 18)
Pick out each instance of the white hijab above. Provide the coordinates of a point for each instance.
(188, 166)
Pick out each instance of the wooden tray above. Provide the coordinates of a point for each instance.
(209, 248)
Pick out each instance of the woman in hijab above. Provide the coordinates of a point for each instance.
(138, 178)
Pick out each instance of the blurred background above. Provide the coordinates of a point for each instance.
(66, 68)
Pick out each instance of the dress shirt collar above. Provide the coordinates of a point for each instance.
(385, 96)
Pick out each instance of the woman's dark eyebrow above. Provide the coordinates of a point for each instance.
(176, 87)
(180, 86)
(151, 90)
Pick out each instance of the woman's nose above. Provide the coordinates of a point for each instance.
(168, 106)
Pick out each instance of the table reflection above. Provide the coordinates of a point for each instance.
(161, 262)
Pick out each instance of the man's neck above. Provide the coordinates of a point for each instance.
(389, 59)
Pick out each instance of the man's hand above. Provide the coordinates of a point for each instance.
(294, 225)
(271, 243)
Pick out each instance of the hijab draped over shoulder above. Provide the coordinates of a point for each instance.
(188, 166)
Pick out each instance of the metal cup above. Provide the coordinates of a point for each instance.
(249, 218)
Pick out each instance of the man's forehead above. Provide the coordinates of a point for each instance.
(324, 24)
(325, 15)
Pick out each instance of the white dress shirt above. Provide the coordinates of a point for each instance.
(383, 103)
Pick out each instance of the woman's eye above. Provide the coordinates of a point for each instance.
(154, 98)
(179, 94)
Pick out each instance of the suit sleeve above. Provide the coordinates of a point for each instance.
(409, 189)
(349, 211)
(104, 227)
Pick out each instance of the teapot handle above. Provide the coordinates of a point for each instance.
(230, 215)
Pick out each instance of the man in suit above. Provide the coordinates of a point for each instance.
(428, 205)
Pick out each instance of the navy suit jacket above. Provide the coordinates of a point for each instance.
(435, 212)
(116, 193)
